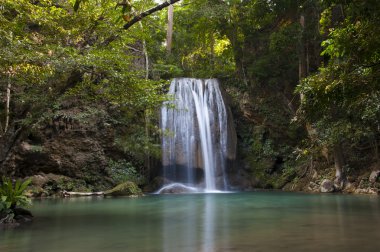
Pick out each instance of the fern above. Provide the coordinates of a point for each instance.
(13, 195)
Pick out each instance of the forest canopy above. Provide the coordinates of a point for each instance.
(308, 69)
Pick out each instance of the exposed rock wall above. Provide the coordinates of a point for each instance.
(67, 147)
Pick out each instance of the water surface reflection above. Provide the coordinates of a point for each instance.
(262, 221)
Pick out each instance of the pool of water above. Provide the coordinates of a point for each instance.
(258, 221)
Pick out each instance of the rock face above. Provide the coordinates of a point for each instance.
(327, 186)
(67, 147)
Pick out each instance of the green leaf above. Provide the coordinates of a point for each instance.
(24, 185)
(17, 186)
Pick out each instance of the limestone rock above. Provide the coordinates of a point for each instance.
(374, 176)
(327, 186)
(367, 191)
(313, 187)
(67, 146)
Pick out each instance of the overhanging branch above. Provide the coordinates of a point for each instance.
(148, 12)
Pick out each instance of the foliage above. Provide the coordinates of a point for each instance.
(342, 99)
(50, 54)
(13, 194)
(60, 54)
(200, 49)
(56, 58)
(122, 171)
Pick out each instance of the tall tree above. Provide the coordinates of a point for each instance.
(341, 100)
(169, 33)
(51, 54)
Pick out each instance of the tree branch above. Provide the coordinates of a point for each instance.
(148, 12)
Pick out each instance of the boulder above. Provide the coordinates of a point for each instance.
(374, 176)
(22, 215)
(327, 186)
(125, 189)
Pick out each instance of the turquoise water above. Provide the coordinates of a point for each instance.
(258, 221)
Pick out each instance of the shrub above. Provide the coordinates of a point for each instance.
(122, 171)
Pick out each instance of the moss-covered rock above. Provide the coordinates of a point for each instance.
(125, 189)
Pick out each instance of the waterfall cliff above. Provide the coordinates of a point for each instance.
(195, 134)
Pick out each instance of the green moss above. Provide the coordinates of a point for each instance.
(125, 189)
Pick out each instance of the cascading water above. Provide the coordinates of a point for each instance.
(195, 135)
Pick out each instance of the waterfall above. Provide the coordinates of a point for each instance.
(195, 134)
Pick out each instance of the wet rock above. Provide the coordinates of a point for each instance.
(14, 217)
(22, 215)
(327, 186)
(177, 188)
(374, 176)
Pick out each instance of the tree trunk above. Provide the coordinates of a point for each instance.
(169, 33)
(146, 60)
(212, 50)
(147, 152)
(302, 68)
(145, 51)
(7, 105)
(149, 12)
(376, 150)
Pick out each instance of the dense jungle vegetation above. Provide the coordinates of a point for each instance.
(301, 76)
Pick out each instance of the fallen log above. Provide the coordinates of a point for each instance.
(81, 194)
(124, 189)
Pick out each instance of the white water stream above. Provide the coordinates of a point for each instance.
(194, 123)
